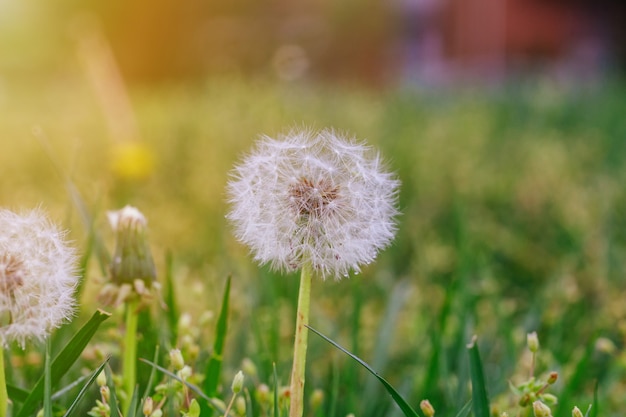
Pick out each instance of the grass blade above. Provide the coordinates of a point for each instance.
(276, 413)
(62, 363)
(464, 412)
(171, 312)
(189, 385)
(215, 361)
(380, 360)
(146, 393)
(479, 391)
(113, 403)
(60, 393)
(404, 406)
(132, 407)
(593, 412)
(83, 390)
(576, 381)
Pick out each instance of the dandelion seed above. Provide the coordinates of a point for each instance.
(37, 277)
(313, 198)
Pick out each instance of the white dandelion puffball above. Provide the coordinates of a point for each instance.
(313, 198)
(37, 277)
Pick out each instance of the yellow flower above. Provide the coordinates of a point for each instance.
(132, 161)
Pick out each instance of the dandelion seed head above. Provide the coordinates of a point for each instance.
(37, 277)
(313, 197)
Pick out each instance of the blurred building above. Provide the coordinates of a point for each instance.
(364, 40)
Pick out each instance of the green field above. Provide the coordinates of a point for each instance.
(513, 220)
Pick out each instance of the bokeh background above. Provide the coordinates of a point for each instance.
(504, 119)
(358, 41)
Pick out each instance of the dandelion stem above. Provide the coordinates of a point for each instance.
(129, 372)
(296, 408)
(4, 398)
(47, 390)
(230, 405)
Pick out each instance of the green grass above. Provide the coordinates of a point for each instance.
(513, 220)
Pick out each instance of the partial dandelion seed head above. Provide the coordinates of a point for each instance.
(37, 277)
(313, 197)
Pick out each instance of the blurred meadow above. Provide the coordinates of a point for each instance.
(512, 203)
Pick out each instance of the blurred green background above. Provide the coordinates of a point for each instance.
(511, 162)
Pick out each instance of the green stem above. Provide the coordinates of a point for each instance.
(47, 386)
(4, 397)
(296, 408)
(129, 371)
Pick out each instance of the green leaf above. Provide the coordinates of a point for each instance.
(17, 394)
(62, 363)
(194, 409)
(214, 366)
(404, 406)
(84, 389)
(479, 391)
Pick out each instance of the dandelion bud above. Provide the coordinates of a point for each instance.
(541, 410)
(313, 198)
(237, 384)
(549, 399)
(218, 403)
(240, 405)
(185, 372)
(184, 323)
(132, 259)
(176, 359)
(284, 393)
(427, 408)
(101, 379)
(157, 413)
(533, 342)
(148, 406)
(553, 377)
(263, 394)
(576, 412)
(37, 277)
(525, 400)
(317, 398)
(248, 367)
(206, 317)
(605, 345)
(105, 392)
(108, 294)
